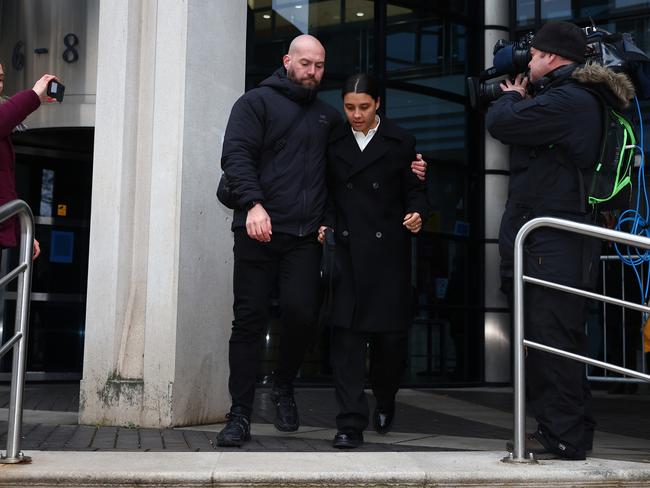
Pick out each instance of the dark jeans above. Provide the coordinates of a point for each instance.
(293, 264)
(558, 391)
(348, 356)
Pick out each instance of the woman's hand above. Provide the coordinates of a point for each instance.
(321, 233)
(40, 88)
(413, 222)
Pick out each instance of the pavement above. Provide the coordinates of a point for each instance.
(441, 437)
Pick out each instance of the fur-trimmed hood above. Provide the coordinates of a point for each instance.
(616, 88)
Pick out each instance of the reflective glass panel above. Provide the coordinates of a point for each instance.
(398, 7)
(556, 9)
(438, 125)
(430, 53)
(525, 12)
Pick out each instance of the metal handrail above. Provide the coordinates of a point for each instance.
(23, 272)
(518, 454)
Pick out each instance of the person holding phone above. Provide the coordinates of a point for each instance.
(13, 110)
(377, 203)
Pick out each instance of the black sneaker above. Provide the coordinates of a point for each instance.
(347, 440)
(286, 410)
(236, 432)
(538, 445)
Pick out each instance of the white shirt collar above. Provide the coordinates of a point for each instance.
(363, 139)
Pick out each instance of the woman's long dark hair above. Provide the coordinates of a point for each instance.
(361, 83)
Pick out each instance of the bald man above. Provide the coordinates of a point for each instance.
(274, 158)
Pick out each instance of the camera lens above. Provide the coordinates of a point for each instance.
(491, 91)
(520, 59)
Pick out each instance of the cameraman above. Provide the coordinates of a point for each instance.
(555, 136)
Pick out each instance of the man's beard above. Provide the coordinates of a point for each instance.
(292, 76)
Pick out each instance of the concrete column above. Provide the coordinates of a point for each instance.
(497, 318)
(160, 273)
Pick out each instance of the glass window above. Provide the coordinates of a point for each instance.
(420, 8)
(438, 125)
(525, 12)
(441, 341)
(429, 53)
(556, 9)
(575, 9)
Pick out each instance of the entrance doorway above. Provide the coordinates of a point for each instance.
(54, 176)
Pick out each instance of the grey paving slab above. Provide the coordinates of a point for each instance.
(151, 439)
(105, 438)
(197, 441)
(44, 417)
(128, 439)
(58, 437)
(82, 438)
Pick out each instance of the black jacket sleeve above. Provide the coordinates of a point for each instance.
(242, 149)
(532, 121)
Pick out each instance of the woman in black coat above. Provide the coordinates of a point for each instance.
(377, 204)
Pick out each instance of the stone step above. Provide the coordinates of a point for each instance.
(340, 470)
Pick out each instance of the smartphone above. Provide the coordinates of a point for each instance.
(55, 90)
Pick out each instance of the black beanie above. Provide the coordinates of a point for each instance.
(563, 38)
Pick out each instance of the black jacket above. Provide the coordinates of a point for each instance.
(263, 162)
(554, 136)
(372, 191)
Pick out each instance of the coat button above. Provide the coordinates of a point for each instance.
(378, 235)
(345, 233)
(375, 185)
(349, 186)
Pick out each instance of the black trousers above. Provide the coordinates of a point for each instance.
(292, 264)
(558, 392)
(348, 356)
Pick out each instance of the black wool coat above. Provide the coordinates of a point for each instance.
(370, 193)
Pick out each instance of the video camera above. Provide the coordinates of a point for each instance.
(615, 51)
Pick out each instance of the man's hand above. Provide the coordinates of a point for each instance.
(37, 250)
(519, 85)
(258, 224)
(419, 167)
(413, 222)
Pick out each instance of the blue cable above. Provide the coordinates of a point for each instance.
(637, 223)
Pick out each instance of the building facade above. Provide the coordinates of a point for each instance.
(133, 292)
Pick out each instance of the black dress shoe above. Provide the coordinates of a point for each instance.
(286, 410)
(382, 420)
(347, 440)
(236, 432)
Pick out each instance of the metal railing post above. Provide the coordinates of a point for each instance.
(518, 454)
(24, 277)
(519, 370)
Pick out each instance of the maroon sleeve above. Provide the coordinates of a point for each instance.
(14, 110)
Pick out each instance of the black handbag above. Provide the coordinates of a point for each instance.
(329, 272)
(225, 192)
(328, 266)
